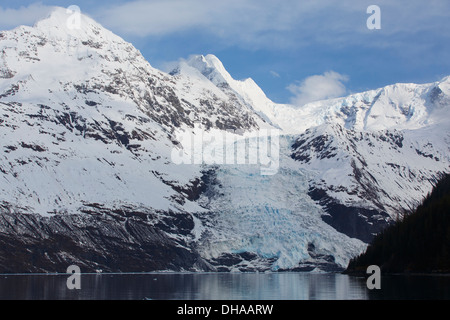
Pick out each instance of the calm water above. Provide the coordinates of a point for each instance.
(274, 286)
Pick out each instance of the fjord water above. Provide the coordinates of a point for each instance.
(222, 286)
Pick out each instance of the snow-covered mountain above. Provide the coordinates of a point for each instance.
(364, 159)
(87, 176)
(89, 98)
(88, 125)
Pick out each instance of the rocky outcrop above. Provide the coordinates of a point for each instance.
(120, 240)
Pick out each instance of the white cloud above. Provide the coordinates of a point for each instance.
(275, 74)
(318, 87)
(160, 17)
(277, 24)
(257, 24)
(11, 18)
(249, 22)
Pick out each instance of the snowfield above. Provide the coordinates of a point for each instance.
(89, 129)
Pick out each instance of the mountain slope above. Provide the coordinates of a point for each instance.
(361, 173)
(89, 131)
(418, 243)
(370, 156)
(87, 127)
(88, 99)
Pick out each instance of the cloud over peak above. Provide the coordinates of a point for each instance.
(318, 87)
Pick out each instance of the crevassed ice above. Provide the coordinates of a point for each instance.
(271, 216)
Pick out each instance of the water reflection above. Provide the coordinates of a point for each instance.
(216, 286)
(413, 287)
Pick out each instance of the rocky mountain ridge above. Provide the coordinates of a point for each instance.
(89, 128)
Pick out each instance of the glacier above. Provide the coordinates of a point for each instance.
(89, 128)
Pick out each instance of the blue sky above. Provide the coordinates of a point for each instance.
(297, 51)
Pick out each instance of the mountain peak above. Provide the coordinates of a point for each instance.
(66, 19)
(61, 23)
(211, 67)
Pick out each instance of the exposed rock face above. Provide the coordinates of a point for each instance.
(89, 129)
(109, 241)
